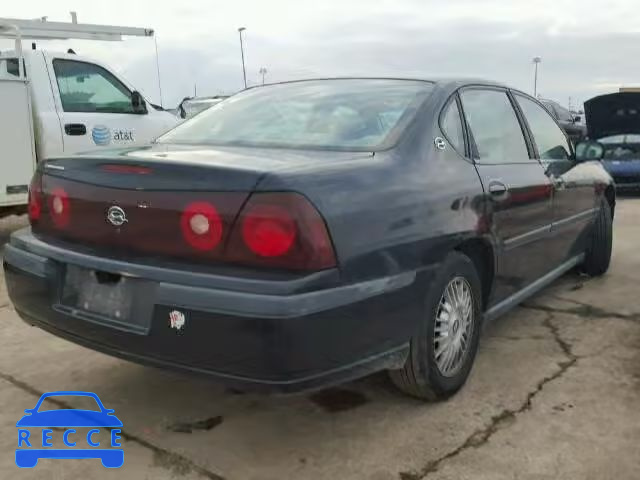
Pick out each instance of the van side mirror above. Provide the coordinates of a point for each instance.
(589, 150)
(138, 103)
(577, 119)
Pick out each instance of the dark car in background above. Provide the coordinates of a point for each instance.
(191, 106)
(614, 121)
(313, 232)
(570, 123)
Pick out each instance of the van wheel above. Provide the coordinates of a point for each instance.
(444, 347)
(598, 254)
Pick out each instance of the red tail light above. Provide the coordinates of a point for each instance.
(59, 207)
(35, 198)
(201, 226)
(268, 230)
(281, 230)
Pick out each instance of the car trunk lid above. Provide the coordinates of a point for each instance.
(178, 202)
(613, 114)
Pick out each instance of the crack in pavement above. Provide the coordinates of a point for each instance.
(583, 310)
(175, 462)
(482, 436)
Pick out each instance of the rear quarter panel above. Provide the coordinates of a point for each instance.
(394, 211)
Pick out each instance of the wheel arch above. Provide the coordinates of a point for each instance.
(482, 254)
(610, 196)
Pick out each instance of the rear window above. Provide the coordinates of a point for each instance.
(330, 114)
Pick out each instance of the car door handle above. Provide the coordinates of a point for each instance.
(75, 129)
(498, 189)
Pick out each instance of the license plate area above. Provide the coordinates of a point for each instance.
(110, 299)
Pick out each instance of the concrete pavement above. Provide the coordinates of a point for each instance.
(555, 394)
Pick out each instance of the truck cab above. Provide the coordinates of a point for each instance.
(79, 104)
(56, 104)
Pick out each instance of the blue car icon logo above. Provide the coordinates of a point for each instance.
(101, 135)
(32, 446)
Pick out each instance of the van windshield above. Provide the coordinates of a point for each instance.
(347, 114)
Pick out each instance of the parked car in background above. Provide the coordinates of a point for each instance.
(312, 232)
(191, 106)
(614, 121)
(571, 124)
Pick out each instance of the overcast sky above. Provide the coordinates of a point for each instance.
(587, 47)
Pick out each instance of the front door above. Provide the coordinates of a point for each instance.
(96, 109)
(574, 196)
(518, 193)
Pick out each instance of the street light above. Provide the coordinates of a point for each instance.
(244, 71)
(536, 61)
(263, 72)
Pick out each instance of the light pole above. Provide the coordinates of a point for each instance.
(536, 61)
(263, 72)
(244, 71)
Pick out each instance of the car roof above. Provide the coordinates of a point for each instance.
(444, 82)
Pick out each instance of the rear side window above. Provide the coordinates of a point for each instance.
(452, 126)
(495, 127)
(86, 87)
(9, 68)
(549, 138)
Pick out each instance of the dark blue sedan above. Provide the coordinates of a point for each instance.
(307, 233)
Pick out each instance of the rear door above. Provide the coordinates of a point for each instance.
(95, 107)
(574, 188)
(518, 193)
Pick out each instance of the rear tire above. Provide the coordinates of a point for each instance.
(425, 374)
(598, 254)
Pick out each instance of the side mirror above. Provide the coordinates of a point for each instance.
(577, 119)
(138, 103)
(589, 150)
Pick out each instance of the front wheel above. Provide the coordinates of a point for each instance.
(598, 254)
(444, 346)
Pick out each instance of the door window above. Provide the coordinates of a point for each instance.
(86, 87)
(551, 141)
(452, 126)
(495, 127)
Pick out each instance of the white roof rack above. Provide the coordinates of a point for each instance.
(44, 30)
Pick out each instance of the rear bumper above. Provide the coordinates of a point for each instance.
(281, 341)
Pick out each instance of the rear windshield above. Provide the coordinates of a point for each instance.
(329, 114)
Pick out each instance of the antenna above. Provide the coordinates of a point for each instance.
(155, 39)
